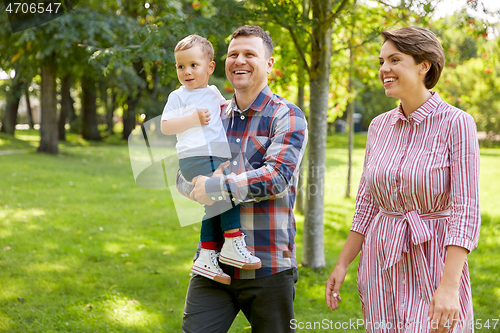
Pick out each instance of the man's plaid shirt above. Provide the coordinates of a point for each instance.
(270, 136)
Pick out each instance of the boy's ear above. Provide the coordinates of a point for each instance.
(211, 67)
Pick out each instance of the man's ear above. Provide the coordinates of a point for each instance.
(425, 66)
(211, 67)
(270, 64)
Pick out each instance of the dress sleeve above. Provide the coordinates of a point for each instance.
(366, 207)
(465, 219)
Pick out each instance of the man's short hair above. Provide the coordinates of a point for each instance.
(422, 44)
(195, 40)
(251, 30)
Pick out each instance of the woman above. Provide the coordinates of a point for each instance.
(417, 209)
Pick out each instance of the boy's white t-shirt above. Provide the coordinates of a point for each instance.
(208, 140)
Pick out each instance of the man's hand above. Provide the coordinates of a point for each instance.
(198, 193)
(203, 116)
(219, 172)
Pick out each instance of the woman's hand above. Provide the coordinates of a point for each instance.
(350, 250)
(332, 291)
(444, 309)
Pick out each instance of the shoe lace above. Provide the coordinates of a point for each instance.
(214, 257)
(242, 246)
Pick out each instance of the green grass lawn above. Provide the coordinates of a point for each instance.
(83, 249)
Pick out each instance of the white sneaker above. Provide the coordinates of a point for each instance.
(207, 265)
(235, 253)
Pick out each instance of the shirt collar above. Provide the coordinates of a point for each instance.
(258, 103)
(419, 114)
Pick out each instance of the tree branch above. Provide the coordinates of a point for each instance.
(295, 41)
(333, 15)
(385, 3)
(299, 49)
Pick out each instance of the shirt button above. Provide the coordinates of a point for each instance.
(233, 199)
(234, 162)
(400, 210)
(220, 197)
(404, 281)
(242, 117)
(238, 140)
(213, 198)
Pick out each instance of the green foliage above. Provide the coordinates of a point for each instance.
(470, 80)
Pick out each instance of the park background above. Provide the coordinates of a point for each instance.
(84, 249)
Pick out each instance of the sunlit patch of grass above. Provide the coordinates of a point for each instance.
(19, 215)
(46, 267)
(4, 322)
(128, 312)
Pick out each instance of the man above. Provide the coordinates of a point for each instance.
(271, 136)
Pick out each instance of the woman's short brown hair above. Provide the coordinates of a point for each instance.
(422, 44)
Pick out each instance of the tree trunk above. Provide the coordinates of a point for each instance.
(104, 97)
(111, 112)
(299, 203)
(48, 123)
(350, 121)
(89, 108)
(129, 120)
(15, 93)
(156, 74)
(65, 105)
(129, 114)
(28, 106)
(71, 110)
(321, 49)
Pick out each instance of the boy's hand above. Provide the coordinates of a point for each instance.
(203, 116)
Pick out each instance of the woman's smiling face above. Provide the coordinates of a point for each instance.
(399, 72)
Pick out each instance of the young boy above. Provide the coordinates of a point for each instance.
(193, 113)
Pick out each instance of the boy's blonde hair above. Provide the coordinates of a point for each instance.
(195, 40)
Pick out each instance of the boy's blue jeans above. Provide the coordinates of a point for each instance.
(212, 228)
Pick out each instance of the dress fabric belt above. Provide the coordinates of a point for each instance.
(412, 223)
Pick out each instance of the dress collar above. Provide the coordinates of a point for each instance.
(419, 114)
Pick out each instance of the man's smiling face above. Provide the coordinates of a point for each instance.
(248, 64)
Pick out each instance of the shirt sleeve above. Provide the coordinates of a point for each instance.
(280, 163)
(173, 108)
(366, 207)
(465, 219)
(222, 100)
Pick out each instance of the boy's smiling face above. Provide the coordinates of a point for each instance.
(193, 68)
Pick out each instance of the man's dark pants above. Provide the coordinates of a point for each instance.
(266, 302)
